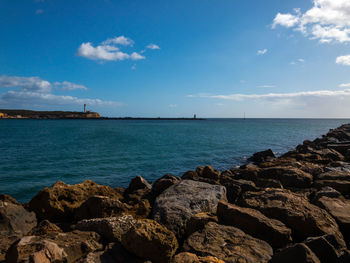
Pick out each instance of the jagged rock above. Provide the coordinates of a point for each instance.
(54, 247)
(235, 187)
(326, 191)
(229, 244)
(323, 249)
(268, 183)
(59, 202)
(102, 206)
(334, 175)
(339, 185)
(137, 190)
(111, 228)
(289, 176)
(255, 224)
(43, 228)
(340, 210)
(185, 257)
(164, 183)
(150, 240)
(262, 156)
(305, 219)
(198, 221)
(177, 204)
(15, 222)
(298, 253)
(205, 174)
(120, 255)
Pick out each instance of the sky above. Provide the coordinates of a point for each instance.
(225, 58)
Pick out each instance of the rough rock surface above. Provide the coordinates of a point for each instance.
(146, 237)
(61, 247)
(111, 228)
(322, 248)
(298, 253)
(229, 244)
(255, 224)
(163, 183)
(262, 156)
(59, 202)
(186, 257)
(305, 219)
(176, 205)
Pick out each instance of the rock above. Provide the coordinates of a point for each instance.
(205, 174)
(186, 257)
(262, 156)
(228, 244)
(43, 228)
(59, 202)
(340, 210)
(324, 250)
(298, 253)
(268, 183)
(98, 257)
(164, 183)
(138, 189)
(177, 204)
(326, 191)
(111, 228)
(54, 247)
(235, 187)
(255, 224)
(198, 221)
(339, 185)
(334, 175)
(138, 183)
(150, 240)
(121, 255)
(289, 176)
(15, 222)
(305, 220)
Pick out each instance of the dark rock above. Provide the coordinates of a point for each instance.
(340, 185)
(150, 240)
(59, 202)
(268, 183)
(177, 204)
(326, 191)
(43, 228)
(334, 175)
(163, 183)
(138, 189)
(198, 221)
(305, 220)
(255, 224)
(228, 244)
(324, 250)
(298, 253)
(205, 174)
(262, 156)
(288, 176)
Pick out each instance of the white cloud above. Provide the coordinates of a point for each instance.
(66, 85)
(327, 21)
(286, 20)
(33, 91)
(262, 52)
(301, 60)
(39, 11)
(108, 50)
(343, 60)
(277, 96)
(344, 85)
(266, 86)
(298, 61)
(153, 46)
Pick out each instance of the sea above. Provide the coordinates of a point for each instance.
(36, 153)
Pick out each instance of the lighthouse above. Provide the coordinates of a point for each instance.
(84, 108)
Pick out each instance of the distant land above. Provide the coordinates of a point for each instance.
(54, 115)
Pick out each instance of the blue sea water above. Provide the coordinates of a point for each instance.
(36, 153)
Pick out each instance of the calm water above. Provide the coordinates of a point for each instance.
(37, 153)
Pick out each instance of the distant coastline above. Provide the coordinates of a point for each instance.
(59, 115)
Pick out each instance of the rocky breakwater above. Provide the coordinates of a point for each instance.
(294, 208)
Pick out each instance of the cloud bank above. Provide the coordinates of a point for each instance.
(36, 92)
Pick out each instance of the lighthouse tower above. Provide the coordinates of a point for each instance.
(84, 108)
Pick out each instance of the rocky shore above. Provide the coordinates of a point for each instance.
(294, 208)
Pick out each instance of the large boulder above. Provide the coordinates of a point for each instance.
(262, 156)
(111, 229)
(340, 210)
(15, 222)
(62, 247)
(163, 183)
(176, 205)
(323, 248)
(186, 257)
(298, 253)
(290, 177)
(138, 189)
(341, 186)
(150, 240)
(229, 244)
(205, 174)
(255, 224)
(305, 219)
(59, 202)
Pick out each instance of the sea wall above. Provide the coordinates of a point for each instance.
(294, 208)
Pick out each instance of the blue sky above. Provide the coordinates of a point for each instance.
(176, 58)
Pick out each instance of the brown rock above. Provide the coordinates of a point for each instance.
(323, 249)
(186, 257)
(334, 175)
(255, 224)
(43, 228)
(262, 156)
(150, 240)
(59, 202)
(298, 253)
(198, 221)
(61, 247)
(339, 185)
(163, 183)
(305, 219)
(228, 244)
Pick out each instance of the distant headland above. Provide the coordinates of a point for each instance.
(55, 115)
